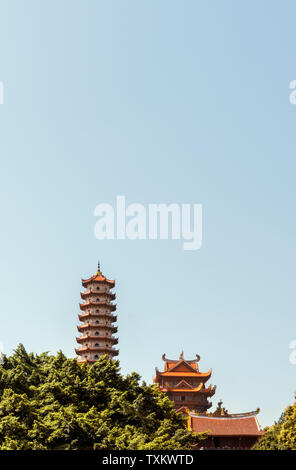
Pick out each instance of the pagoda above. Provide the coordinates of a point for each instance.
(184, 384)
(97, 319)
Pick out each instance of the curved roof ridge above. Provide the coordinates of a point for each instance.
(189, 361)
(180, 361)
(249, 414)
(190, 388)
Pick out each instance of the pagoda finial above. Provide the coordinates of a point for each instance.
(99, 268)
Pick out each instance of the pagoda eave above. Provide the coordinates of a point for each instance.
(98, 279)
(110, 295)
(95, 327)
(108, 316)
(197, 375)
(106, 305)
(82, 339)
(97, 349)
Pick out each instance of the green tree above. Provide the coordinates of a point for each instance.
(51, 402)
(270, 440)
(287, 435)
(282, 435)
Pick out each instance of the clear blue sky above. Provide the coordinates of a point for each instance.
(170, 101)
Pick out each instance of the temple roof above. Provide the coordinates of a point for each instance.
(171, 364)
(244, 424)
(184, 374)
(182, 368)
(185, 387)
(98, 277)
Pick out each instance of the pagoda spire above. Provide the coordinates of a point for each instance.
(97, 319)
(99, 268)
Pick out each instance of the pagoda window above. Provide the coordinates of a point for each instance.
(97, 333)
(183, 398)
(96, 356)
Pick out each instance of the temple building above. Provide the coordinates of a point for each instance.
(97, 319)
(184, 384)
(226, 431)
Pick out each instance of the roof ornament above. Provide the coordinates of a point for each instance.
(99, 268)
(197, 358)
(163, 357)
(181, 355)
(220, 410)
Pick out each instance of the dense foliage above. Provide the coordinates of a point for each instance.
(282, 435)
(51, 402)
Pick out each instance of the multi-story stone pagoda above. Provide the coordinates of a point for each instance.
(97, 319)
(184, 384)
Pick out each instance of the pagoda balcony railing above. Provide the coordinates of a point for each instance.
(110, 316)
(90, 303)
(99, 292)
(97, 302)
(114, 352)
(114, 329)
(100, 325)
(97, 349)
(83, 338)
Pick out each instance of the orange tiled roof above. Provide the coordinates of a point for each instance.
(172, 365)
(182, 368)
(207, 390)
(186, 374)
(181, 363)
(197, 389)
(98, 277)
(240, 425)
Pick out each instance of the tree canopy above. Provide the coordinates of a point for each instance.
(52, 402)
(282, 434)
